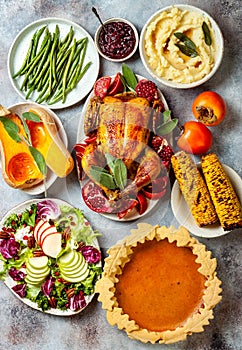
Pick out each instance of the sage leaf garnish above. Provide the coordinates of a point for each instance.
(129, 76)
(120, 174)
(187, 41)
(188, 47)
(103, 177)
(39, 159)
(118, 170)
(31, 116)
(11, 128)
(187, 50)
(207, 35)
(166, 115)
(167, 127)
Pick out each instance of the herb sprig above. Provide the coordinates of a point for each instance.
(188, 47)
(116, 178)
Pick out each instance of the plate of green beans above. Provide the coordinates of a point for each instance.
(54, 62)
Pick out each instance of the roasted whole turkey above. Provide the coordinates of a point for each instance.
(120, 128)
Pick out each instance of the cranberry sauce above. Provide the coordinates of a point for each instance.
(117, 40)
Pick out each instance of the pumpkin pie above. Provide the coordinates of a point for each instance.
(159, 284)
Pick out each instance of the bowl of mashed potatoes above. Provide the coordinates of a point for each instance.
(181, 46)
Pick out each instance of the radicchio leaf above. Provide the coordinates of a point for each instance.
(9, 248)
(91, 254)
(47, 286)
(48, 209)
(16, 275)
(20, 289)
(77, 301)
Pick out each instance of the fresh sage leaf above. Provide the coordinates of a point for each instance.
(167, 127)
(129, 76)
(39, 159)
(120, 174)
(26, 129)
(118, 170)
(31, 116)
(207, 35)
(166, 115)
(187, 41)
(124, 82)
(11, 128)
(187, 50)
(103, 177)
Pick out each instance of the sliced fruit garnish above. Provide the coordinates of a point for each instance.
(156, 189)
(116, 86)
(94, 198)
(101, 86)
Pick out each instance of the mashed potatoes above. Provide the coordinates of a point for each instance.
(166, 59)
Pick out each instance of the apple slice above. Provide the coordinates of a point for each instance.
(51, 244)
(38, 263)
(37, 227)
(48, 231)
(42, 229)
(68, 259)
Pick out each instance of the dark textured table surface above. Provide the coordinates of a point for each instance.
(23, 328)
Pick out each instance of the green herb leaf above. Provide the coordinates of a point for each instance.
(120, 174)
(118, 169)
(166, 115)
(31, 116)
(103, 177)
(187, 41)
(129, 76)
(39, 159)
(187, 50)
(11, 128)
(167, 127)
(207, 35)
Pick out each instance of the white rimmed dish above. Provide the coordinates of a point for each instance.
(20, 208)
(23, 107)
(18, 51)
(184, 216)
(96, 39)
(133, 215)
(172, 83)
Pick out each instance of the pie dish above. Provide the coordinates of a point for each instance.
(148, 299)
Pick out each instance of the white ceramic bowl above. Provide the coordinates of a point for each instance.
(96, 38)
(219, 53)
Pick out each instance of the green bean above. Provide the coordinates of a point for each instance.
(36, 41)
(67, 71)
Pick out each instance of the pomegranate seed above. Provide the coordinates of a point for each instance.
(148, 89)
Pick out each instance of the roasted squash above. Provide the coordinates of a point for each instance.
(45, 138)
(18, 166)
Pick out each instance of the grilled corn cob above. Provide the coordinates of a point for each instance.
(224, 198)
(194, 189)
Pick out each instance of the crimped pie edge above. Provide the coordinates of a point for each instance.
(119, 255)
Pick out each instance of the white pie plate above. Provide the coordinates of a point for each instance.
(133, 215)
(184, 216)
(9, 281)
(23, 107)
(20, 46)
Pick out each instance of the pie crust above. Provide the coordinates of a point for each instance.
(121, 253)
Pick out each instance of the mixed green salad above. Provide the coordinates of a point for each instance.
(61, 277)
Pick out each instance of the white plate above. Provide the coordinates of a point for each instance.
(184, 216)
(81, 136)
(23, 107)
(219, 40)
(20, 46)
(9, 281)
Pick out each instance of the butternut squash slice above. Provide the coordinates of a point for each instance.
(45, 138)
(18, 166)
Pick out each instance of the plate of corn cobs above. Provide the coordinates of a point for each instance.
(206, 198)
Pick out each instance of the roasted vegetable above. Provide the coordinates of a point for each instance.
(19, 168)
(225, 200)
(194, 189)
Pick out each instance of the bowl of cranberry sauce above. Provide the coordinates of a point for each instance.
(117, 39)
